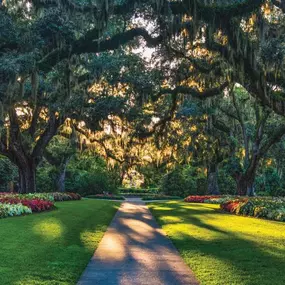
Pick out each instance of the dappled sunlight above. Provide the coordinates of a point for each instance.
(147, 217)
(171, 219)
(137, 225)
(137, 236)
(200, 207)
(88, 238)
(135, 248)
(49, 229)
(203, 232)
(225, 246)
(113, 244)
(161, 208)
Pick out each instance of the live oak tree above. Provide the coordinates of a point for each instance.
(254, 130)
(35, 103)
(58, 154)
(45, 46)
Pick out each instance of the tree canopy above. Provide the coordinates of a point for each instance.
(80, 65)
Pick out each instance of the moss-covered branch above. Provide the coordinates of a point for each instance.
(280, 4)
(211, 92)
(89, 45)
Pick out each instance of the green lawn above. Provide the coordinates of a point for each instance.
(222, 248)
(53, 247)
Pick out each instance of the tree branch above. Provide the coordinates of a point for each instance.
(280, 4)
(215, 11)
(51, 129)
(204, 67)
(194, 92)
(90, 45)
(274, 138)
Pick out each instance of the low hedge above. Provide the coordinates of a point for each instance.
(105, 197)
(138, 190)
(135, 195)
(161, 197)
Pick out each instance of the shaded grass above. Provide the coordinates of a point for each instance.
(52, 247)
(224, 249)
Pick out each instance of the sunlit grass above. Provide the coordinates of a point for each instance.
(52, 248)
(222, 248)
(49, 228)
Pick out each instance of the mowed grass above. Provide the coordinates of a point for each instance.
(53, 247)
(224, 249)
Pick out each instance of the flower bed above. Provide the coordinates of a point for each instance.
(201, 199)
(30, 196)
(36, 205)
(219, 200)
(259, 207)
(54, 196)
(268, 208)
(66, 196)
(19, 204)
(11, 210)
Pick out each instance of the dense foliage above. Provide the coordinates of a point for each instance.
(201, 112)
(184, 181)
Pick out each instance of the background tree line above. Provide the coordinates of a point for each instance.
(208, 106)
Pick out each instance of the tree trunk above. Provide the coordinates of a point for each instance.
(60, 182)
(245, 184)
(11, 187)
(213, 187)
(27, 178)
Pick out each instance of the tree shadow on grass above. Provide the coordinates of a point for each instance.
(231, 257)
(53, 247)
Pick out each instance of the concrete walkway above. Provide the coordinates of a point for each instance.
(135, 251)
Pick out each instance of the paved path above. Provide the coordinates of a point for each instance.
(135, 251)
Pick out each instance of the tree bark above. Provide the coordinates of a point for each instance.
(60, 182)
(27, 178)
(213, 186)
(245, 185)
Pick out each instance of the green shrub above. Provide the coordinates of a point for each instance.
(227, 184)
(174, 183)
(85, 174)
(46, 175)
(135, 194)
(263, 194)
(160, 197)
(138, 190)
(87, 182)
(280, 192)
(184, 181)
(106, 197)
(269, 182)
(8, 173)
